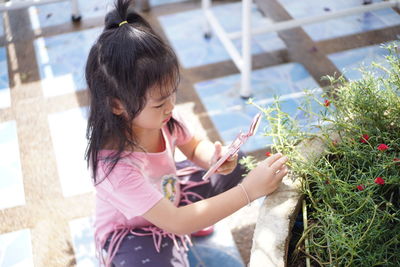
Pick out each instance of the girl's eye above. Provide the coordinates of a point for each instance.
(159, 106)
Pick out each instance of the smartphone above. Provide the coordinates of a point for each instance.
(235, 146)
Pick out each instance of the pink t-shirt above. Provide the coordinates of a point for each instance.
(136, 184)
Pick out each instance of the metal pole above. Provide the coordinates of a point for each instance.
(206, 5)
(228, 44)
(10, 5)
(75, 8)
(245, 90)
(289, 24)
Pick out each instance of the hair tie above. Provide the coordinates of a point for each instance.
(122, 23)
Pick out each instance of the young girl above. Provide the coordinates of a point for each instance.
(144, 212)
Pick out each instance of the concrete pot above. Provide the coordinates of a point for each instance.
(278, 213)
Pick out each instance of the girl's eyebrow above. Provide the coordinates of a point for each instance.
(166, 96)
(161, 98)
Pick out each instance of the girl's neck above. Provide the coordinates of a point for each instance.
(150, 141)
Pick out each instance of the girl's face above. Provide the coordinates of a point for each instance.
(157, 111)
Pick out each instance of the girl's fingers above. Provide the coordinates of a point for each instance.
(282, 172)
(218, 149)
(217, 152)
(228, 166)
(273, 158)
(225, 168)
(234, 157)
(278, 164)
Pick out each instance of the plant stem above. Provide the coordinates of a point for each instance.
(308, 264)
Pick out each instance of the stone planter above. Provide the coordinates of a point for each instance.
(278, 213)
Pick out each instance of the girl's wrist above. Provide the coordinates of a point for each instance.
(244, 191)
(253, 190)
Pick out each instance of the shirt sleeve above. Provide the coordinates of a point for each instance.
(128, 191)
(184, 133)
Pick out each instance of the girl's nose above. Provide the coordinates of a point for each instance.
(170, 104)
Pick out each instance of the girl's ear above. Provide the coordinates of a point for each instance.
(117, 107)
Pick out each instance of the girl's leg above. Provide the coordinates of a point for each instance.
(218, 183)
(140, 251)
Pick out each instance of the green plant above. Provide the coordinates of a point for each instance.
(352, 190)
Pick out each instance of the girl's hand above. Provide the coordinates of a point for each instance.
(229, 165)
(266, 177)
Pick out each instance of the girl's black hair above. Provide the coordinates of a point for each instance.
(124, 63)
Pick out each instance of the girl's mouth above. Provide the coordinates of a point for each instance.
(167, 119)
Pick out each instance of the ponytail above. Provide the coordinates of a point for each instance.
(124, 12)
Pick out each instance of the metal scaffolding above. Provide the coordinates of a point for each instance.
(17, 4)
(242, 59)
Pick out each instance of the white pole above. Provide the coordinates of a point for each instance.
(228, 44)
(206, 5)
(245, 90)
(75, 8)
(23, 4)
(289, 24)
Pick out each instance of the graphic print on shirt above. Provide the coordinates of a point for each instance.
(168, 185)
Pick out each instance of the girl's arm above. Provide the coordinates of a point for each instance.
(198, 151)
(204, 153)
(196, 216)
(262, 180)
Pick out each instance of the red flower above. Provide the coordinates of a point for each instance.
(379, 180)
(382, 147)
(327, 103)
(396, 160)
(268, 154)
(361, 187)
(364, 138)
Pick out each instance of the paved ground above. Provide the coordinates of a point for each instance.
(45, 195)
